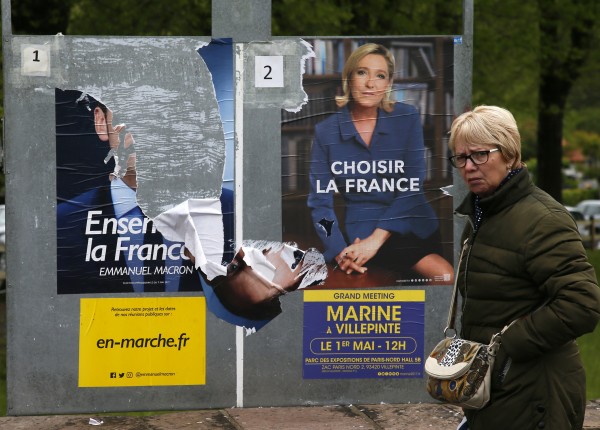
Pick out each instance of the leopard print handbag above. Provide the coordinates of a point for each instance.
(459, 371)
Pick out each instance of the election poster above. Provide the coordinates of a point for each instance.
(126, 152)
(125, 342)
(363, 334)
(365, 174)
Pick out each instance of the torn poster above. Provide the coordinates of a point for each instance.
(364, 162)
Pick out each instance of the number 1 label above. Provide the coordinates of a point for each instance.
(268, 71)
(35, 60)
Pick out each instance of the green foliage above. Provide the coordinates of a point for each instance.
(505, 57)
(589, 345)
(573, 196)
(40, 17)
(591, 172)
(2, 354)
(569, 184)
(323, 18)
(374, 17)
(587, 141)
(527, 130)
(531, 166)
(584, 104)
(141, 18)
(507, 49)
(584, 117)
(567, 30)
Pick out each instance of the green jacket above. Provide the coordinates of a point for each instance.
(527, 262)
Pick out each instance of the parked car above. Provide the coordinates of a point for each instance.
(577, 215)
(587, 214)
(582, 224)
(589, 208)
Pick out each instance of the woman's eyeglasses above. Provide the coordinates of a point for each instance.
(477, 157)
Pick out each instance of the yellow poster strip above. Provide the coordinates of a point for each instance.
(153, 341)
(364, 295)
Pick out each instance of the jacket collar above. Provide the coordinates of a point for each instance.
(348, 131)
(511, 192)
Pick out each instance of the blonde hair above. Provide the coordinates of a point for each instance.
(351, 65)
(489, 125)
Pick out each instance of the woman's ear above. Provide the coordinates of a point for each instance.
(100, 124)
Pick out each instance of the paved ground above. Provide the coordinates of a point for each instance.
(364, 417)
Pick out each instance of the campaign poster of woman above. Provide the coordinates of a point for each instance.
(364, 163)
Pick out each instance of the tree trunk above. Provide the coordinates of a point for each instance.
(549, 137)
(566, 34)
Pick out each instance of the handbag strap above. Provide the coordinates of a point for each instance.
(452, 311)
(496, 339)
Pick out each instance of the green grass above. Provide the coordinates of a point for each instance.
(589, 345)
(2, 354)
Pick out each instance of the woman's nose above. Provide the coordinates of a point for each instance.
(471, 166)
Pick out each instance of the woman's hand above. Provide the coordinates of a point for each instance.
(354, 257)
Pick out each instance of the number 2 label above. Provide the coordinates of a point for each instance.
(268, 71)
(35, 60)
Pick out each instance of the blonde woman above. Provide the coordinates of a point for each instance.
(524, 261)
(371, 152)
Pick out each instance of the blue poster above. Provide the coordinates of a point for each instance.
(364, 167)
(106, 243)
(363, 334)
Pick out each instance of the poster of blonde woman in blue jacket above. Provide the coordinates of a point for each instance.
(371, 174)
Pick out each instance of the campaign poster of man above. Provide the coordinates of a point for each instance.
(106, 244)
(364, 164)
(130, 144)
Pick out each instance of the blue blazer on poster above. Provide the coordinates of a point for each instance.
(363, 176)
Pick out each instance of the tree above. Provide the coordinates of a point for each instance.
(566, 33)
(506, 62)
(583, 106)
(47, 17)
(141, 18)
(374, 17)
(589, 143)
(528, 56)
